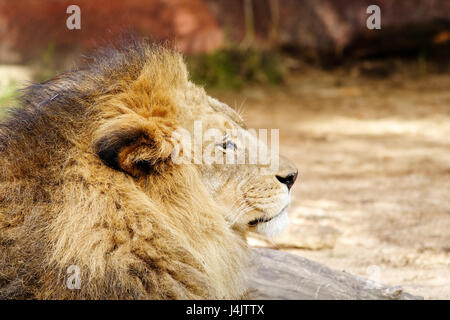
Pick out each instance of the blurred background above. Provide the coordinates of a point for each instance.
(365, 114)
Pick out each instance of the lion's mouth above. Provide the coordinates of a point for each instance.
(264, 220)
(260, 220)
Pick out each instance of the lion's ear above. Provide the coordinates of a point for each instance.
(135, 146)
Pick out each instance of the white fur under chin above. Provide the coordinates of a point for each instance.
(275, 226)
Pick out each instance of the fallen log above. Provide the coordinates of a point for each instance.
(280, 275)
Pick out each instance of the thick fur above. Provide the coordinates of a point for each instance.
(85, 180)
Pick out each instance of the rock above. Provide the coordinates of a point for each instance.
(330, 28)
(29, 27)
(280, 275)
(335, 28)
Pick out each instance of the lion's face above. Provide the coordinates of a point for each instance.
(253, 191)
(256, 189)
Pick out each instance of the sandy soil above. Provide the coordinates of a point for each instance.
(374, 161)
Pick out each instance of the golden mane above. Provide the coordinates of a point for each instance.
(151, 232)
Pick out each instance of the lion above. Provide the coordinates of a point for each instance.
(88, 185)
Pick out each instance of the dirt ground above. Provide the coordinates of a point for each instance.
(374, 160)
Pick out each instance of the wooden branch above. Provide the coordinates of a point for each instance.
(280, 275)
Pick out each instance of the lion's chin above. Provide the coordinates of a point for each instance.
(275, 226)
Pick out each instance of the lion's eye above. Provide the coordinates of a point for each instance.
(228, 145)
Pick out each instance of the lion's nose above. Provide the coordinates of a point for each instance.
(288, 179)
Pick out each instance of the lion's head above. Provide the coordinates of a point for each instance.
(98, 185)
